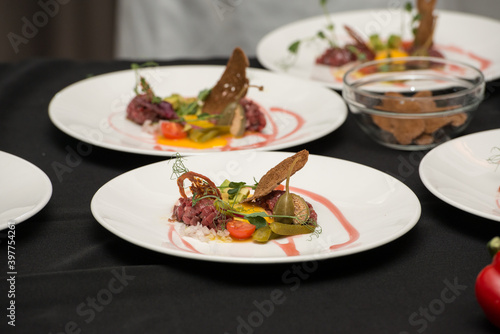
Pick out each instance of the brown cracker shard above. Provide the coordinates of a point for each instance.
(278, 174)
(458, 119)
(231, 85)
(407, 131)
(404, 130)
(427, 23)
(424, 139)
(436, 123)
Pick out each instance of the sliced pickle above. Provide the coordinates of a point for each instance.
(263, 234)
(290, 229)
(205, 134)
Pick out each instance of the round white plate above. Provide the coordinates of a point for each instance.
(458, 172)
(358, 208)
(24, 190)
(458, 36)
(93, 110)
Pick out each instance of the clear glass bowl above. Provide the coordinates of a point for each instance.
(413, 103)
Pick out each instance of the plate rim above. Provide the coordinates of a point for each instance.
(46, 194)
(410, 224)
(341, 112)
(432, 189)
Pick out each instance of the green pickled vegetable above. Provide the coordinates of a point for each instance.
(174, 100)
(394, 42)
(262, 234)
(376, 42)
(205, 134)
(290, 229)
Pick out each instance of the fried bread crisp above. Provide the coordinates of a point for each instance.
(231, 86)
(278, 174)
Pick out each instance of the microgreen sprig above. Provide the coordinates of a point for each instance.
(178, 167)
(415, 18)
(327, 34)
(142, 86)
(495, 159)
(235, 187)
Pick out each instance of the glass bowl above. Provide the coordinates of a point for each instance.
(413, 103)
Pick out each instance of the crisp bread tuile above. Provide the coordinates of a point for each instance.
(425, 31)
(278, 174)
(230, 85)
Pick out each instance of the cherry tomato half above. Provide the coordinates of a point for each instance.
(280, 187)
(172, 130)
(240, 229)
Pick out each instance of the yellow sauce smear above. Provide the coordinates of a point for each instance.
(186, 142)
(218, 141)
(248, 208)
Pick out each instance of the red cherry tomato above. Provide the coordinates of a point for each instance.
(280, 187)
(172, 130)
(407, 45)
(239, 229)
(488, 286)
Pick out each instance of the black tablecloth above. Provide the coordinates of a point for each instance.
(73, 276)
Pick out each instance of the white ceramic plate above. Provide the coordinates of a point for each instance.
(24, 189)
(458, 36)
(93, 110)
(358, 208)
(458, 172)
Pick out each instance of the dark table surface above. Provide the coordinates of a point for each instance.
(73, 276)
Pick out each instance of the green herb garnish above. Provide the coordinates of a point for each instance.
(329, 37)
(202, 96)
(178, 167)
(142, 86)
(188, 108)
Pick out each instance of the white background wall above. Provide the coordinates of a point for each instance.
(169, 29)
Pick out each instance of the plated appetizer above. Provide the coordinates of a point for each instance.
(236, 210)
(422, 24)
(200, 122)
